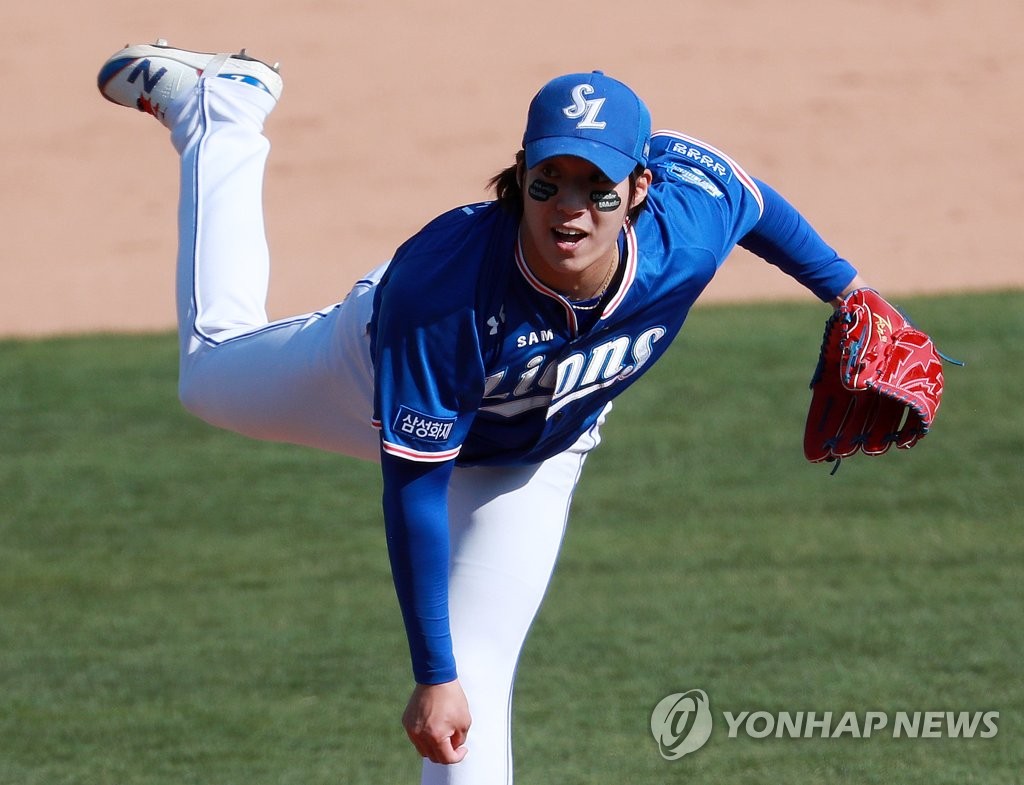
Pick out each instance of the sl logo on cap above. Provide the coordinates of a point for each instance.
(585, 108)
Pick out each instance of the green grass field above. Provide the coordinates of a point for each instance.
(181, 605)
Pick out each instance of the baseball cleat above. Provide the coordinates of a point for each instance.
(150, 77)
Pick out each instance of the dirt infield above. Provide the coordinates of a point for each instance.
(893, 124)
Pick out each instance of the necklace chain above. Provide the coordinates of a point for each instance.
(599, 294)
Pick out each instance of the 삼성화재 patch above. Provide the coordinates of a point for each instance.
(416, 425)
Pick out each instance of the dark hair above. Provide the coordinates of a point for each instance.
(508, 187)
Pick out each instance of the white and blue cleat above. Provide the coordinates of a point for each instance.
(150, 77)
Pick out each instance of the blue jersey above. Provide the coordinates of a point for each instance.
(478, 361)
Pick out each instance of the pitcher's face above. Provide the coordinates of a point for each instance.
(572, 215)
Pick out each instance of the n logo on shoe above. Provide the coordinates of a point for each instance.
(149, 81)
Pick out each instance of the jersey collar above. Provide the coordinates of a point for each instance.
(629, 262)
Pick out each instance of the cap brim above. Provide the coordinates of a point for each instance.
(616, 166)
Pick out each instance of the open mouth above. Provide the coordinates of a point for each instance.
(568, 237)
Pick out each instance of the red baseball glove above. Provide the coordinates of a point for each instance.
(878, 382)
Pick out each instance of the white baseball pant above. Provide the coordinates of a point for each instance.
(309, 380)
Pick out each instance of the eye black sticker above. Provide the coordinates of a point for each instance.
(541, 190)
(606, 201)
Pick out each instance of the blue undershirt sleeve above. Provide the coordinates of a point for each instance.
(416, 525)
(783, 237)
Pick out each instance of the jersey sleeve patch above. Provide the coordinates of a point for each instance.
(696, 155)
(684, 157)
(422, 428)
(694, 176)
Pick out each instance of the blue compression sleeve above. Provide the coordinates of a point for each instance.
(416, 523)
(783, 237)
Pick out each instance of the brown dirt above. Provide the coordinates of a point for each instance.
(893, 124)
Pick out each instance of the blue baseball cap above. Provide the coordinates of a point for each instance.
(593, 117)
